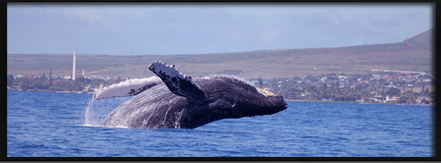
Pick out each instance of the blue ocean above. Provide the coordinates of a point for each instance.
(48, 124)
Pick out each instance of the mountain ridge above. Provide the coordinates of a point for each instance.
(413, 54)
(423, 39)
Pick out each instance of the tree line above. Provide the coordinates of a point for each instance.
(30, 83)
(288, 88)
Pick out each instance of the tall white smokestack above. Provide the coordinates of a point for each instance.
(73, 71)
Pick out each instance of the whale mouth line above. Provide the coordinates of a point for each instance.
(265, 91)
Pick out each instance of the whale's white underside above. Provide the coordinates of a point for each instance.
(128, 88)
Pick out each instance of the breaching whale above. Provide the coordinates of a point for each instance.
(174, 100)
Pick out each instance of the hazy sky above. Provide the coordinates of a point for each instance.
(195, 28)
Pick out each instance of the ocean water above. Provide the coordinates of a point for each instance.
(47, 124)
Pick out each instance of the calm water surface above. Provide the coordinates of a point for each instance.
(46, 124)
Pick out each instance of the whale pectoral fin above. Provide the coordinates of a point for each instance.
(127, 88)
(176, 82)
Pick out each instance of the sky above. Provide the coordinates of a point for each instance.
(197, 28)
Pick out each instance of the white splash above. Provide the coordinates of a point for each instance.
(127, 88)
(119, 127)
(96, 111)
(87, 114)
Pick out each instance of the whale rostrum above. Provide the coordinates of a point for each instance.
(174, 100)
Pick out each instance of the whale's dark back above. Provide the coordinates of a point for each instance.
(226, 97)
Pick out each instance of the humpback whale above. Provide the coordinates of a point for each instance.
(174, 100)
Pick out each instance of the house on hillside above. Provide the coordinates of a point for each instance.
(376, 76)
(404, 73)
(427, 80)
(391, 86)
(387, 77)
(342, 77)
(342, 84)
(372, 99)
(18, 76)
(324, 79)
(86, 88)
(364, 81)
(392, 99)
(53, 77)
(379, 97)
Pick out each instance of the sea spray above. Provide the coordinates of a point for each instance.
(97, 110)
(87, 115)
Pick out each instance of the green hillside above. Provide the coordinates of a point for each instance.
(414, 54)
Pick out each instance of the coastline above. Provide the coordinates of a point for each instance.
(39, 90)
(356, 102)
(284, 99)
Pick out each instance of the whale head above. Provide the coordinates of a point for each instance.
(231, 97)
(245, 99)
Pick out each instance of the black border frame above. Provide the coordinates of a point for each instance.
(3, 112)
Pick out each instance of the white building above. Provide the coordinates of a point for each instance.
(73, 69)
